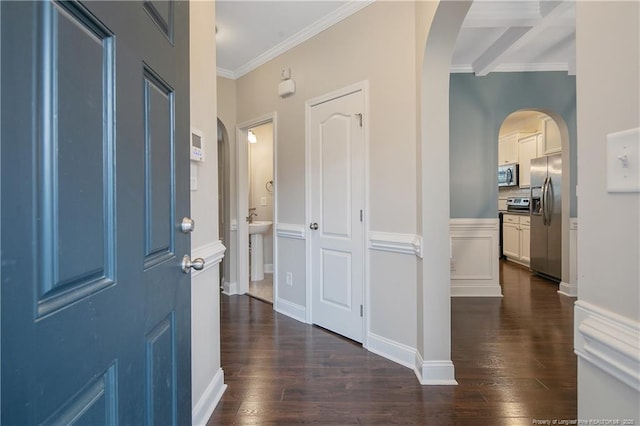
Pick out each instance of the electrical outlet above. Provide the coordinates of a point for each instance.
(453, 265)
(289, 279)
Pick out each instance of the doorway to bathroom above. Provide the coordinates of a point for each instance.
(260, 212)
(255, 200)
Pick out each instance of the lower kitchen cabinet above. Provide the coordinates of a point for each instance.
(516, 238)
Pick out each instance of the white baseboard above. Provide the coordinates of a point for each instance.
(207, 403)
(474, 262)
(290, 309)
(393, 351)
(229, 289)
(608, 341)
(268, 268)
(570, 290)
(434, 372)
(473, 289)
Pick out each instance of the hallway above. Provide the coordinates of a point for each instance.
(513, 357)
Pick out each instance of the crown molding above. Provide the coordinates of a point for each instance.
(223, 72)
(301, 36)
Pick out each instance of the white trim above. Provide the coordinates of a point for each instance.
(290, 309)
(516, 67)
(475, 269)
(396, 243)
(229, 289)
(223, 72)
(290, 230)
(207, 403)
(609, 341)
(571, 288)
(268, 268)
(301, 36)
(434, 372)
(212, 254)
(391, 350)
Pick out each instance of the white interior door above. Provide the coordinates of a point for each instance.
(336, 164)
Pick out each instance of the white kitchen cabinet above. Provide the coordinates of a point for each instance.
(508, 149)
(516, 238)
(551, 142)
(527, 150)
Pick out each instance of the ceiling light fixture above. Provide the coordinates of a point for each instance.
(252, 137)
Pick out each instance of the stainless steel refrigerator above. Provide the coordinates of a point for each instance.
(546, 216)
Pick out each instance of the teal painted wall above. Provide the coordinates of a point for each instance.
(478, 106)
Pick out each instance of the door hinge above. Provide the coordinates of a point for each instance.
(361, 215)
(361, 311)
(359, 115)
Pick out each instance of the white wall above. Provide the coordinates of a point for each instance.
(207, 376)
(607, 328)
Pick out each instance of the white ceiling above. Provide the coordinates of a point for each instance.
(506, 35)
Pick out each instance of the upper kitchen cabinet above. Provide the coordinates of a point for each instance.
(551, 142)
(528, 150)
(508, 148)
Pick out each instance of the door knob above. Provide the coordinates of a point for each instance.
(188, 264)
(313, 225)
(187, 225)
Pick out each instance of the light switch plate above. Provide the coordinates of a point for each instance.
(263, 201)
(623, 161)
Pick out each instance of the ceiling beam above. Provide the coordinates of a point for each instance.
(516, 37)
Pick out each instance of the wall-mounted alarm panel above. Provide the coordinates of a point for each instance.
(197, 145)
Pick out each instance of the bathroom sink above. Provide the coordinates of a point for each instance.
(259, 226)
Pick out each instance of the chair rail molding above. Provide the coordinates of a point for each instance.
(212, 254)
(396, 243)
(609, 341)
(291, 230)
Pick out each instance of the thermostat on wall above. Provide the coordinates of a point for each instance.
(197, 145)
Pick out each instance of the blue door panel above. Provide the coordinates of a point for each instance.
(95, 160)
(159, 164)
(75, 166)
(161, 373)
(95, 404)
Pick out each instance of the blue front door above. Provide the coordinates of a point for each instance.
(94, 156)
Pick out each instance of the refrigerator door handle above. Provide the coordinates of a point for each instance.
(543, 202)
(549, 200)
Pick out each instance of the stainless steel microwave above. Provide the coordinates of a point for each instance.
(508, 175)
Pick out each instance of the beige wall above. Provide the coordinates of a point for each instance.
(205, 316)
(608, 100)
(375, 44)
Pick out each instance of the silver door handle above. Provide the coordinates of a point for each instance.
(188, 264)
(187, 225)
(313, 226)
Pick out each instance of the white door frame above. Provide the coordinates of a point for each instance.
(362, 86)
(242, 193)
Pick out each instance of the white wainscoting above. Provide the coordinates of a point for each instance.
(474, 262)
(396, 243)
(571, 288)
(609, 341)
(210, 398)
(212, 254)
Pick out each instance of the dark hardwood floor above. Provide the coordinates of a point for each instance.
(513, 359)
